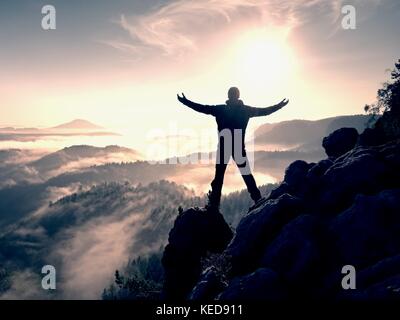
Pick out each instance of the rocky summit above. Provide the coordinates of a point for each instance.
(342, 211)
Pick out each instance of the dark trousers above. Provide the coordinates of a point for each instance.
(241, 160)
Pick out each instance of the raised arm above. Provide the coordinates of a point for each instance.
(196, 106)
(258, 112)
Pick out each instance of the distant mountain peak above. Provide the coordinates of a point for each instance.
(79, 124)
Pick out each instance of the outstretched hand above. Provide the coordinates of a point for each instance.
(283, 103)
(181, 99)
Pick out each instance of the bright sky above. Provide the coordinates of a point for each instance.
(120, 64)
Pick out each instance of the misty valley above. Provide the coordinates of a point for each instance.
(89, 211)
(199, 158)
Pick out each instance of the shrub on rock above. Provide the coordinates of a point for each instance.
(208, 286)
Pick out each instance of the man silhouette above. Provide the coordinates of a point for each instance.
(232, 119)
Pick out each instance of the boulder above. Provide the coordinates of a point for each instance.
(295, 181)
(388, 290)
(280, 190)
(385, 129)
(195, 232)
(371, 137)
(340, 141)
(258, 228)
(200, 230)
(379, 272)
(365, 278)
(359, 171)
(369, 230)
(318, 170)
(296, 252)
(296, 172)
(263, 285)
(391, 155)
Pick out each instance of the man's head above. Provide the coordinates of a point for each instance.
(233, 94)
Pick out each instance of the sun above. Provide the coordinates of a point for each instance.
(263, 58)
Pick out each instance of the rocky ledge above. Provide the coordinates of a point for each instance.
(341, 211)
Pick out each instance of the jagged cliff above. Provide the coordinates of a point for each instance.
(343, 210)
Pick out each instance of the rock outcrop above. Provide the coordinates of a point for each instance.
(344, 210)
(369, 230)
(259, 227)
(340, 141)
(195, 232)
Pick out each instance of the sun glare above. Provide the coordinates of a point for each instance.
(264, 58)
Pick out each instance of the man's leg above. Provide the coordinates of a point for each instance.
(245, 170)
(220, 167)
(252, 187)
(216, 184)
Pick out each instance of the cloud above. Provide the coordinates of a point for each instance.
(92, 254)
(29, 137)
(18, 156)
(184, 26)
(25, 285)
(11, 175)
(179, 27)
(31, 166)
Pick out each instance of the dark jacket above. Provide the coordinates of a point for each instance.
(233, 114)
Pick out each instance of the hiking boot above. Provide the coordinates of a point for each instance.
(257, 203)
(213, 202)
